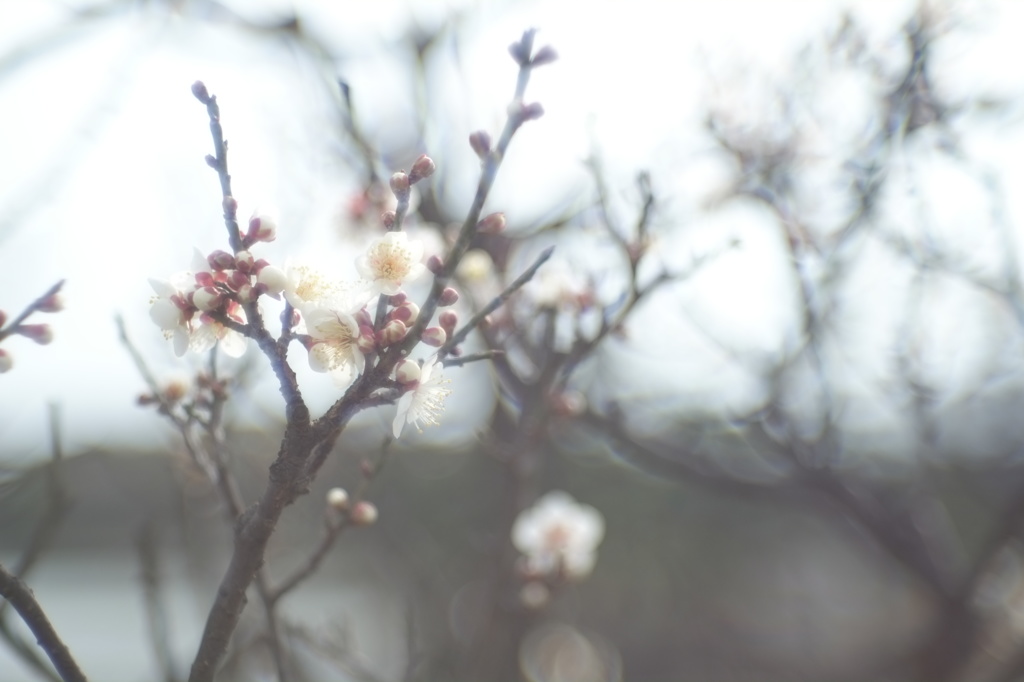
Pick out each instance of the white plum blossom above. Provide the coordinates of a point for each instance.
(391, 260)
(334, 349)
(171, 311)
(307, 287)
(209, 332)
(559, 535)
(425, 401)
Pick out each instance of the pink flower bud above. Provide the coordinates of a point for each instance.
(435, 264)
(397, 299)
(388, 218)
(207, 299)
(392, 332)
(337, 499)
(408, 371)
(238, 279)
(6, 361)
(200, 92)
(205, 279)
(533, 111)
(448, 297)
(520, 52)
(362, 317)
(448, 320)
(405, 313)
(422, 168)
(262, 228)
(492, 224)
(544, 55)
(221, 260)
(480, 141)
(363, 513)
(53, 303)
(40, 333)
(400, 184)
(434, 336)
(244, 261)
(366, 342)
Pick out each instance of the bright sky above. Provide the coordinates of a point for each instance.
(105, 185)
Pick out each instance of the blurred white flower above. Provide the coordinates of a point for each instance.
(425, 402)
(391, 260)
(209, 332)
(559, 535)
(170, 309)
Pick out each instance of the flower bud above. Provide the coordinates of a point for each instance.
(221, 260)
(53, 303)
(448, 297)
(40, 333)
(362, 317)
(230, 204)
(244, 261)
(400, 184)
(532, 112)
(238, 279)
(492, 224)
(397, 299)
(405, 313)
(366, 342)
(6, 361)
(544, 55)
(448, 319)
(205, 279)
(392, 332)
(434, 336)
(337, 499)
(388, 219)
(273, 279)
(207, 298)
(262, 228)
(408, 371)
(200, 92)
(435, 264)
(480, 141)
(363, 513)
(520, 52)
(422, 168)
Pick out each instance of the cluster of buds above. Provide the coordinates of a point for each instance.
(340, 507)
(200, 394)
(50, 302)
(192, 307)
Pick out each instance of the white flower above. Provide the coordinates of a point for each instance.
(391, 260)
(424, 402)
(308, 287)
(209, 332)
(335, 349)
(171, 310)
(559, 535)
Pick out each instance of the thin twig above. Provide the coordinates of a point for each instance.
(24, 602)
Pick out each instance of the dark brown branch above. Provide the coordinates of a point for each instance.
(24, 602)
